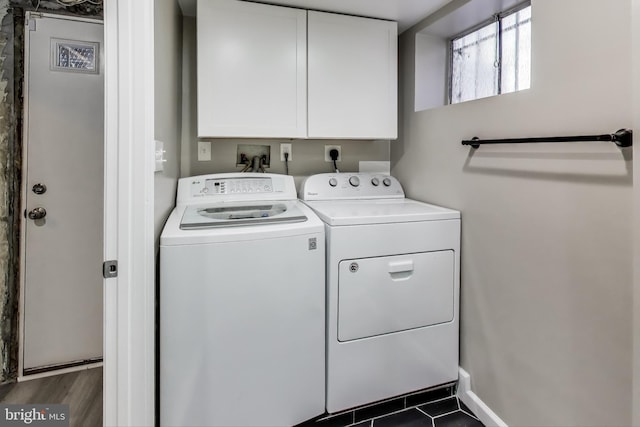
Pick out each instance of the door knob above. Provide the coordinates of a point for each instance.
(37, 213)
(39, 188)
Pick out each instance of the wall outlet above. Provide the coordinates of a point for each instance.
(285, 148)
(204, 151)
(328, 148)
(159, 156)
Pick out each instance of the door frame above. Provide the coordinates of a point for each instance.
(635, 58)
(129, 327)
(24, 193)
(129, 299)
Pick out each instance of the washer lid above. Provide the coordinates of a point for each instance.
(240, 214)
(355, 212)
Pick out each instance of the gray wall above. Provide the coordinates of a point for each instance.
(547, 308)
(308, 155)
(168, 104)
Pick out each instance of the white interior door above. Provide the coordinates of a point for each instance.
(62, 192)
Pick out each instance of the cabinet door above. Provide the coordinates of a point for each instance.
(251, 70)
(353, 76)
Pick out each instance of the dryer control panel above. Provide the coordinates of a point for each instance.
(336, 186)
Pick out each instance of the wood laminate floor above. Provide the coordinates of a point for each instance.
(81, 390)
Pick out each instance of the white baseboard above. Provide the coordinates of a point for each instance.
(477, 406)
(22, 378)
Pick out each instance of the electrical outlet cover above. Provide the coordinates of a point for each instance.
(204, 151)
(285, 148)
(328, 148)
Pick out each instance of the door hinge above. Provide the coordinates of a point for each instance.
(32, 21)
(110, 269)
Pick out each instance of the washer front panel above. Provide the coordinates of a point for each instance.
(242, 323)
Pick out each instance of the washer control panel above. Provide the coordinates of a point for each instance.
(213, 186)
(333, 186)
(225, 187)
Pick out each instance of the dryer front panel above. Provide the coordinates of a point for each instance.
(388, 294)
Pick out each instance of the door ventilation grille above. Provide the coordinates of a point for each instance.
(74, 56)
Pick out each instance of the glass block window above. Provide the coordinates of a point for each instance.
(74, 56)
(492, 59)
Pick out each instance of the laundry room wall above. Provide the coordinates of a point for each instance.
(308, 155)
(547, 307)
(168, 105)
(11, 78)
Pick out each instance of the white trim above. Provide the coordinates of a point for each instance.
(23, 197)
(110, 312)
(55, 372)
(65, 17)
(635, 88)
(477, 406)
(129, 369)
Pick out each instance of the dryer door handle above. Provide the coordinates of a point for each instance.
(401, 267)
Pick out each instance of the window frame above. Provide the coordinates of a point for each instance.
(496, 17)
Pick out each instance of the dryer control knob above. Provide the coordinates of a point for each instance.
(333, 182)
(386, 182)
(375, 182)
(354, 181)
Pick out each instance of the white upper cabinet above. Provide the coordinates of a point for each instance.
(252, 61)
(268, 71)
(352, 77)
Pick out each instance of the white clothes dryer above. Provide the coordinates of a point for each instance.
(393, 269)
(242, 304)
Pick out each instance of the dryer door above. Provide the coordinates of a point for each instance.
(394, 293)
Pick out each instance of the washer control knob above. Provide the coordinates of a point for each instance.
(333, 182)
(386, 182)
(375, 182)
(354, 181)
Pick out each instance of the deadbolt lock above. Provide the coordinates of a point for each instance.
(37, 213)
(39, 188)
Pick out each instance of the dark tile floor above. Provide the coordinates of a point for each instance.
(432, 408)
(448, 412)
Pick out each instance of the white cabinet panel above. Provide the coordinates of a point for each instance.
(251, 70)
(352, 77)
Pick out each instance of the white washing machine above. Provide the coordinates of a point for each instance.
(393, 268)
(242, 304)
